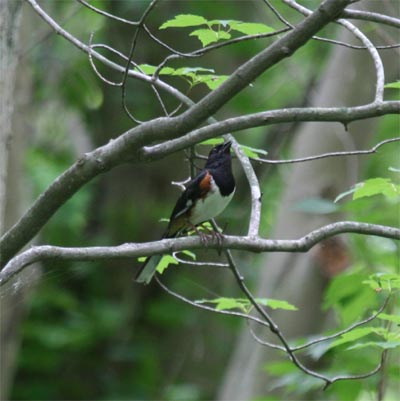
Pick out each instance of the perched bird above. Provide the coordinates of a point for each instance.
(205, 197)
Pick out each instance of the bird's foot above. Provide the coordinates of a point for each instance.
(214, 234)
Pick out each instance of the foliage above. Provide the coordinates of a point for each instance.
(215, 30)
(89, 333)
(357, 293)
(192, 75)
(244, 304)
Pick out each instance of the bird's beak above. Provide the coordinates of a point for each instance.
(227, 146)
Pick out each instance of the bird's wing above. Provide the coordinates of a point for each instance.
(196, 189)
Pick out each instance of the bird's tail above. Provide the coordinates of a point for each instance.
(148, 269)
(149, 266)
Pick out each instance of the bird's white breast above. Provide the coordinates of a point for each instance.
(211, 206)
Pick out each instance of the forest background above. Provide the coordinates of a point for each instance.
(83, 330)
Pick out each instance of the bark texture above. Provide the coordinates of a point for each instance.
(14, 97)
(9, 22)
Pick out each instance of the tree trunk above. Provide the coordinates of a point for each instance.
(302, 278)
(9, 22)
(13, 194)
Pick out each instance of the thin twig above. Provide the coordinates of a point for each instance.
(346, 330)
(130, 57)
(355, 47)
(264, 343)
(272, 325)
(209, 48)
(195, 263)
(107, 81)
(356, 377)
(298, 114)
(278, 15)
(330, 154)
(324, 338)
(274, 328)
(108, 15)
(371, 16)
(205, 307)
(117, 67)
(380, 74)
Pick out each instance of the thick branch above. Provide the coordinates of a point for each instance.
(107, 157)
(82, 171)
(246, 243)
(344, 115)
(127, 146)
(279, 50)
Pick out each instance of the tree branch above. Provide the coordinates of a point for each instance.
(372, 17)
(106, 157)
(344, 115)
(374, 149)
(246, 243)
(277, 51)
(85, 48)
(127, 146)
(108, 15)
(380, 74)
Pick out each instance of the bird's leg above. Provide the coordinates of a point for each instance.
(215, 234)
(203, 236)
(220, 238)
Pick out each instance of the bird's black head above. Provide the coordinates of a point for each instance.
(219, 155)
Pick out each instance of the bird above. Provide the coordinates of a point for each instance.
(204, 198)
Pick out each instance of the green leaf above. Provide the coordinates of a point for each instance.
(226, 303)
(207, 36)
(377, 186)
(280, 368)
(253, 152)
(245, 305)
(165, 261)
(357, 334)
(393, 85)
(383, 281)
(376, 344)
(348, 296)
(146, 69)
(373, 284)
(189, 253)
(212, 141)
(250, 28)
(390, 318)
(191, 71)
(276, 304)
(212, 81)
(151, 69)
(206, 226)
(223, 22)
(316, 206)
(371, 187)
(194, 73)
(184, 20)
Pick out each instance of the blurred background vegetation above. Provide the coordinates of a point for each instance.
(89, 332)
